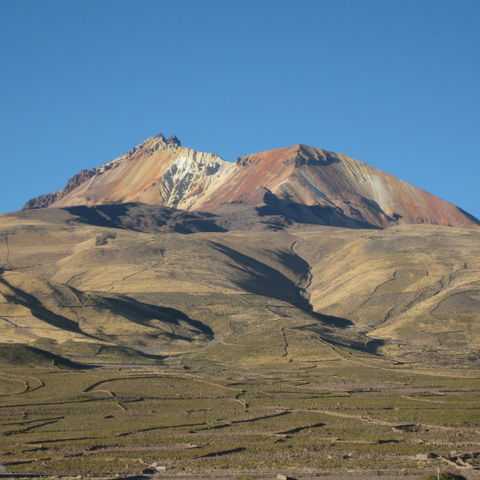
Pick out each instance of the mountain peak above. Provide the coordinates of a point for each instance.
(158, 142)
(295, 155)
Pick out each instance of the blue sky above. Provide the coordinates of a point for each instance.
(394, 83)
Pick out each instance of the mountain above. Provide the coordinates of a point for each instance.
(220, 319)
(297, 184)
(169, 251)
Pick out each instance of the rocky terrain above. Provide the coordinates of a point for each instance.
(299, 183)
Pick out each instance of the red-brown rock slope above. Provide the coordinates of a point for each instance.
(306, 184)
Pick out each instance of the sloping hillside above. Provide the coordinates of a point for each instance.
(408, 293)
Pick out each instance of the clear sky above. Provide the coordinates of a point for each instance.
(395, 83)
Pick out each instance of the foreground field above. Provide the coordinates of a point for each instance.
(301, 418)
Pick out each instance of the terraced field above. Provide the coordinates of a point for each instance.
(302, 418)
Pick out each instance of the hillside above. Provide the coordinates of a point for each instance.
(408, 293)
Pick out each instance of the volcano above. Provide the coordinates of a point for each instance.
(299, 183)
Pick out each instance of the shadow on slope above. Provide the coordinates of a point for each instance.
(470, 216)
(267, 281)
(353, 339)
(262, 279)
(146, 218)
(38, 310)
(316, 214)
(26, 355)
(145, 314)
(337, 322)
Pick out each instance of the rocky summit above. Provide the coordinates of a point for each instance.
(298, 184)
